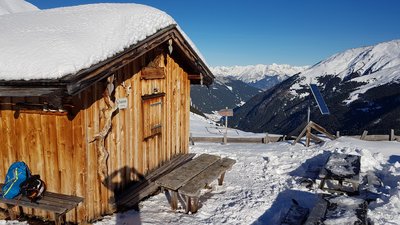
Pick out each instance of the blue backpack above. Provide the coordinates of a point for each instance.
(16, 174)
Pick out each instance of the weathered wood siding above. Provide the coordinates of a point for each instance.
(61, 148)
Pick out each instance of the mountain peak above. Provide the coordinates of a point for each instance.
(15, 6)
(364, 61)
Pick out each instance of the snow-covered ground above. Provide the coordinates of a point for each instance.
(202, 127)
(260, 186)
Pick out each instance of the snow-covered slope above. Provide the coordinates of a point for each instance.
(373, 65)
(361, 87)
(253, 73)
(15, 6)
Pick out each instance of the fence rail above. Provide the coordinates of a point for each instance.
(277, 138)
(220, 139)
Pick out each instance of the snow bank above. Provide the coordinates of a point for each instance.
(50, 44)
(15, 6)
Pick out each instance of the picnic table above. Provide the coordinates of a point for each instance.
(341, 173)
(330, 209)
(191, 177)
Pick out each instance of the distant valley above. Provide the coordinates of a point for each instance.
(235, 85)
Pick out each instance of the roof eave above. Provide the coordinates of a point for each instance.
(73, 84)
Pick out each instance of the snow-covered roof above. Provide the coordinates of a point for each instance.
(50, 44)
(15, 6)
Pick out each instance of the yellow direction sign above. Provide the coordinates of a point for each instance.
(226, 112)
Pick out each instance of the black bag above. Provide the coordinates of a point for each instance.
(33, 188)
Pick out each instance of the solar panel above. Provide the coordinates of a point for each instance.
(320, 101)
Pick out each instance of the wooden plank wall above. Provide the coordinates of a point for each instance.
(62, 150)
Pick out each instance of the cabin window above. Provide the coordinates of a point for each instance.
(152, 114)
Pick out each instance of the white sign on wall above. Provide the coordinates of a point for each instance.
(122, 103)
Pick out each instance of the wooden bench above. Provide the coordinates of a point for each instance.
(59, 204)
(191, 190)
(341, 173)
(191, 177)
(331, 207)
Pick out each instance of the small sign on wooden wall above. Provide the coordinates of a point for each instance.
(122, 103)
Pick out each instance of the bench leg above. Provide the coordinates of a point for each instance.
(221, 179)
(188, 204)
(321, 186)
(174, 200)
(194, 207)
(59, 218)
(11, 213)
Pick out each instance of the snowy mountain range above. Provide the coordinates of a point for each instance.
(223, 92)
(15, 6)
(254, 73)
(361, 87)
(373, 65)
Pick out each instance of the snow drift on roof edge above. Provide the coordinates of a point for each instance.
(50, 44)
(15, 6)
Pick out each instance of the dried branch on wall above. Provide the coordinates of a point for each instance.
(100, 137)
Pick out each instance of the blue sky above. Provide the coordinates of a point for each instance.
(238, 32)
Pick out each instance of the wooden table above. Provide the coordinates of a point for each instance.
(341, 173)
(331, 207)
(180, 176)
(192, 176)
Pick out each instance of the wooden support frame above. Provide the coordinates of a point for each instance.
(310, 136)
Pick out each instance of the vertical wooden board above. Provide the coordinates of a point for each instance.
(134, 111)
(187, 111)
(175, 110)
(118, 133)
(80, 160)
(141, 147)
(167, 108)
(126, 126)
(91, 156)
(9, 135)
(3, 142)
(37, 147)
(51, 131)
(95, 110)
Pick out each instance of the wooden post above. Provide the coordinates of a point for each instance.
(266, 138)
(226, 130)
(391, 137)
(337, 134)
(364, 134)
(191, 138)
(308, 136)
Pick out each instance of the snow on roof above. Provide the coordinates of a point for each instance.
(50, 44)
(15, 6)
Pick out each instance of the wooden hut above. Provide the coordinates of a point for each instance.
(93, 132)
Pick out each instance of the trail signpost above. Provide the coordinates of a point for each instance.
(226, 112)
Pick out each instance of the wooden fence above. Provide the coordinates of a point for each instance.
(277, 138)
(220, 139)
